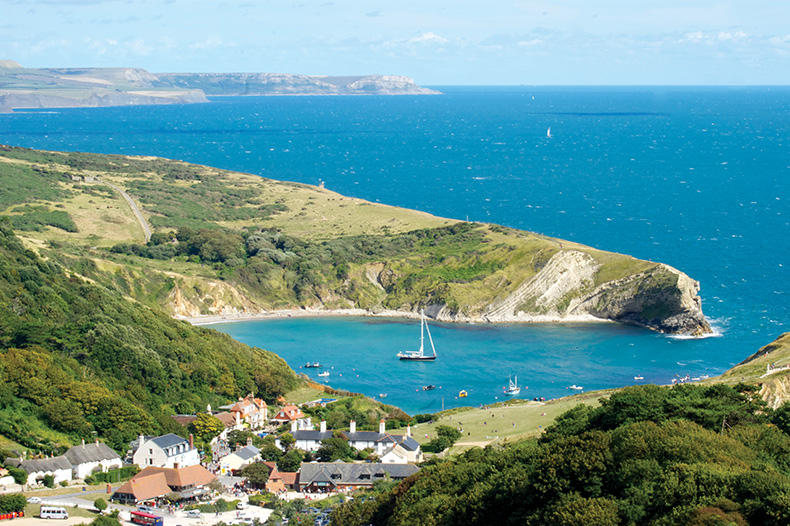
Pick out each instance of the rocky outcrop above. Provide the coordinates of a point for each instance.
(662, 298)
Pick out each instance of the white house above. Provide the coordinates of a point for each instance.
(239, 459)
(308, 439)
(87, 458)
(391, 449)
(59, 467)
(167, 451)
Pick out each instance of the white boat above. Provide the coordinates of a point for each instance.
(512, 388)
(325, 373)
(576, 387)
(548, 133)
(420, 355)
(639, 377)
(382, 395)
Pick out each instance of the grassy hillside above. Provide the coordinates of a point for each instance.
(648, 455)
(76, 358)
(226, 242)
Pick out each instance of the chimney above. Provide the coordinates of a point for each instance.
(97, 441)
(408, 430)
(175, 465)
(382, 427)
(141, 439)
(353, 427)
(191, 441)
(238, 448)
(83, 442)
(249, 441)
(323, 426)
(293, 426)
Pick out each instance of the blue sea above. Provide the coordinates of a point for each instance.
(694, 177)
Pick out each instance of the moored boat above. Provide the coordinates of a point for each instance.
(420, 355)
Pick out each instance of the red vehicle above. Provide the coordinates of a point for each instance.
(141, 517)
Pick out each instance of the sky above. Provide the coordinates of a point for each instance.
(436, 42)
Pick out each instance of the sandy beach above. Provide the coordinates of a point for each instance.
(208, 319)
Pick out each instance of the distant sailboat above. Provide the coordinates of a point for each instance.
(420, 355)
(548, 133)
(513, 388)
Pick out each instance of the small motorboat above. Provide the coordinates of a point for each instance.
(575, 387)
(382, 395)
(430, 387)
(312, 365)
(325, 373)
(462, 394)
(639, 377)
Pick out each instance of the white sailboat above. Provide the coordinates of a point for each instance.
(548, 133)
(420, 355)
(513, 388)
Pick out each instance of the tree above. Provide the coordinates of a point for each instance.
(334, 448)
(291, 461)
(206, 426)
(100, 504)
(256, 473)
(286, 441)
(11, 503)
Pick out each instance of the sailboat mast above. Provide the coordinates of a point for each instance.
(422, 330)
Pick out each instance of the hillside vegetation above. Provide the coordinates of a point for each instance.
(77, 358)
(228, 243)
(648, 455)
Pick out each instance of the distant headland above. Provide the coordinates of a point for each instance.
(22, 87)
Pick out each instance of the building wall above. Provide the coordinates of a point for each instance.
(60, 475)
(83, 470)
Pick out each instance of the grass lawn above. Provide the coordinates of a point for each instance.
(500, 423)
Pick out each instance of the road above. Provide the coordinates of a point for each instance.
(133, 205)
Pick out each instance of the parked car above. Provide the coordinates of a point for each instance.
(242, 505)
(194, 514)
(34, 500)
(147, 509)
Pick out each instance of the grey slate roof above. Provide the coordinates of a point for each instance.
(364, 436)
(40, 464)
(409, 444)
(90, 453)
(248, 452)
(169, 440)
(352, 474)
(307, 434)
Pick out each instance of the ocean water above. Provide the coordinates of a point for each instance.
(694, 177)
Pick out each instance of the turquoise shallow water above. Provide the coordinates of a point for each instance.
(693, 177)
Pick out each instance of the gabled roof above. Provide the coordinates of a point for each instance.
(146, 487)
(93, 452)
(228, 419)
(248, 452)
(364, 436)
(168, 440)
(409, 444)
(288, 413)
(352, 474)
(38, 465)
(195, 475)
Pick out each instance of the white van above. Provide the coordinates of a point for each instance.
(53, 512)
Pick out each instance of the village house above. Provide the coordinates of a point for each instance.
(167, 451)
(91, 458)
(249, 411)
(239, 458)
(307, 439)
(391, 449)
(58, 467)
(281, 481)
(290, 413)
(152, 484)
(321, 477)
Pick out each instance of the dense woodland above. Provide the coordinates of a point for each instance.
(649, 455)
(78, 359)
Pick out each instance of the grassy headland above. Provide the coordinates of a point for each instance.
(227, 243)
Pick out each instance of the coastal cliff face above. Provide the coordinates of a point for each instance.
(287, 84)
(662, 298)
(93, 87)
